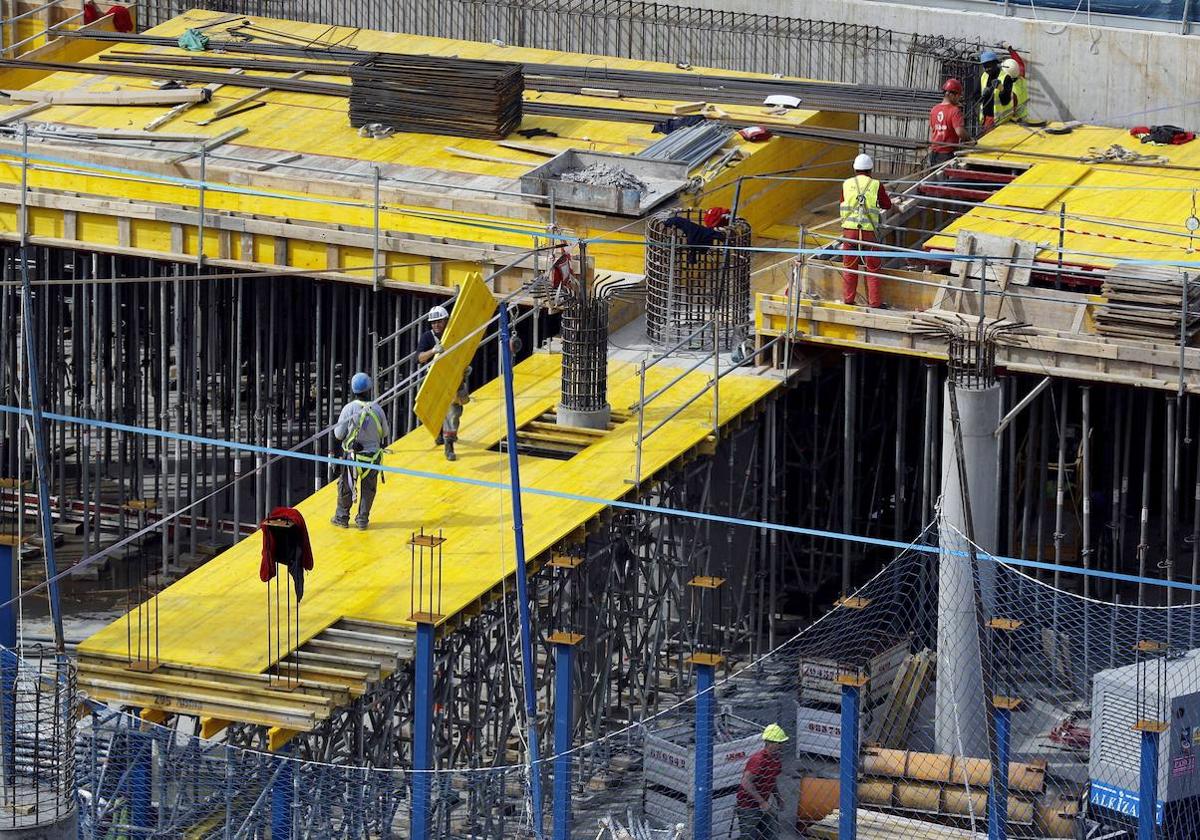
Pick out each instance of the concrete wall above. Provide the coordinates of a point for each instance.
(1097, 74)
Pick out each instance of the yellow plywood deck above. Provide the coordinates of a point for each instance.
(216, 616)
(1116, 212)
(313, 125)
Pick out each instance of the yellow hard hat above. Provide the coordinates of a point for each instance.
(775, 734)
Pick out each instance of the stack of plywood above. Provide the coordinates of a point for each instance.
(1146, 301)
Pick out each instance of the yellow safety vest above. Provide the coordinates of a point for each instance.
(1001, 112)
(860, 203)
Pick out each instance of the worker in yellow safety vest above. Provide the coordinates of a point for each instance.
(864, 200)
(362, 429)
(1003, 89)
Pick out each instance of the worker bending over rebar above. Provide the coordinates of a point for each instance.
(362, 429)
(429, 345)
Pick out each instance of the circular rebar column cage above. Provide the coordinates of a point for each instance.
(38, 702)
(584, 361)
(687, 286)
(972, 361)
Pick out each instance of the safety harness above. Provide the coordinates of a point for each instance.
(356, 472)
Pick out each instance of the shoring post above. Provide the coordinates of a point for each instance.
(425, 601)
(527, 663)
(1151, 731)
(41, 455)
(1150, 655)
(852, 684)
(564, 723)
(1000, 650)
(422, 761)
(8, 657)
(1002, 709)
(282, 796)
(141, 753)
(706, 672)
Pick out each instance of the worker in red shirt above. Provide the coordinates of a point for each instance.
(947, 131)
(863, 201)
(757, 796)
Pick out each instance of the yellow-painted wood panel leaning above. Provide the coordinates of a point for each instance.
(472, 309)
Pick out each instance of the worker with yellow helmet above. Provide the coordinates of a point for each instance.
(757, 796)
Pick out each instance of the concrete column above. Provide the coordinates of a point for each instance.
(962, 711)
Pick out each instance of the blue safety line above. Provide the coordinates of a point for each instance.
(596, 500)
(154, 177)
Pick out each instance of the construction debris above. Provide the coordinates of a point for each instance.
(873, 825)
(430, 95)
(605, 175)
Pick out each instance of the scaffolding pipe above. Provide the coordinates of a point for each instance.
(41, 453)
(527, 663)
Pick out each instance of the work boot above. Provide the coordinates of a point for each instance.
(340, 523)
(361, 524)
(450, 456)
(439, 440)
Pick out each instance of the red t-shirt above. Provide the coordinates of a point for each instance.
(764, 773)
(946, 129)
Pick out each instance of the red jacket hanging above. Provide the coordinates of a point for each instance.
(288, 545)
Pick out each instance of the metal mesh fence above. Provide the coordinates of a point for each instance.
(924, 694)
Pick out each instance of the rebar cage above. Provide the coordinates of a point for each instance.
(585, 353)
(973, 361)
(37, 740)
(689, 286)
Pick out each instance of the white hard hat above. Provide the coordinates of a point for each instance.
(863, 163)
(1010, 68)
(438, 313)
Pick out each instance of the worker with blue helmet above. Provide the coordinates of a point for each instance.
(362, 428)
(1003, 88)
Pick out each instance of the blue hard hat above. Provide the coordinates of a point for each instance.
(988, 56)
(360, 383)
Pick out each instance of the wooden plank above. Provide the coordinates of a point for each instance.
(113, 98)
(240, 103)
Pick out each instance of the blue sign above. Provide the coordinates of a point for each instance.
(1120, 800)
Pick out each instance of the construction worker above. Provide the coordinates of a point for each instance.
(863, 201)
(429, 345)
(362, 429)
(947, 131)
(1003, 90)
(757, 797)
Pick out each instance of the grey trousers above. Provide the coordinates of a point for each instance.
(366, 493)
(451, 422)
(755, 824)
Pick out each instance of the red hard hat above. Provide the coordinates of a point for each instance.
(952, 86)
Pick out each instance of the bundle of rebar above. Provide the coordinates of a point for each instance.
(432, 95)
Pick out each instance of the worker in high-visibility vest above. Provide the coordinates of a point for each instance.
(1003, 89)
(362, 429)
(864, 201)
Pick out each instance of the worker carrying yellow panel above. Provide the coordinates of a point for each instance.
(449, 342)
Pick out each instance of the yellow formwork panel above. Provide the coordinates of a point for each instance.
(472, 309)
(216, 616)
(1115, 211)
(319, 125)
